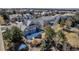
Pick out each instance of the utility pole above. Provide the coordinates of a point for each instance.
(1, 41)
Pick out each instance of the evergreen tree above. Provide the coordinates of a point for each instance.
(47, 44)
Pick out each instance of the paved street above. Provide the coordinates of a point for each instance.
(1, 42)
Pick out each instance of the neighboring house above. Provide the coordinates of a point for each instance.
(14, 16)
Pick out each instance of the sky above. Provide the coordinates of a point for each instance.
(39, 3)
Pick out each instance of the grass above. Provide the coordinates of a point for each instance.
(72, 39)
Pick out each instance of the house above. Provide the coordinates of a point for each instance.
(32, 31)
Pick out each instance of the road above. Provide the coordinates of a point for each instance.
(1, 41)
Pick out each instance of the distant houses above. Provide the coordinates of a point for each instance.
(31, 26)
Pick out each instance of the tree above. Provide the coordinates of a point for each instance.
(61, 21)
(43, 46)
(7, 34)
(70, 21)
(16, 34)
(5, 15)
(50, 32)
(13, 35)
(76, 16)
(46, 44)
(62, 41)
(14, 12)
